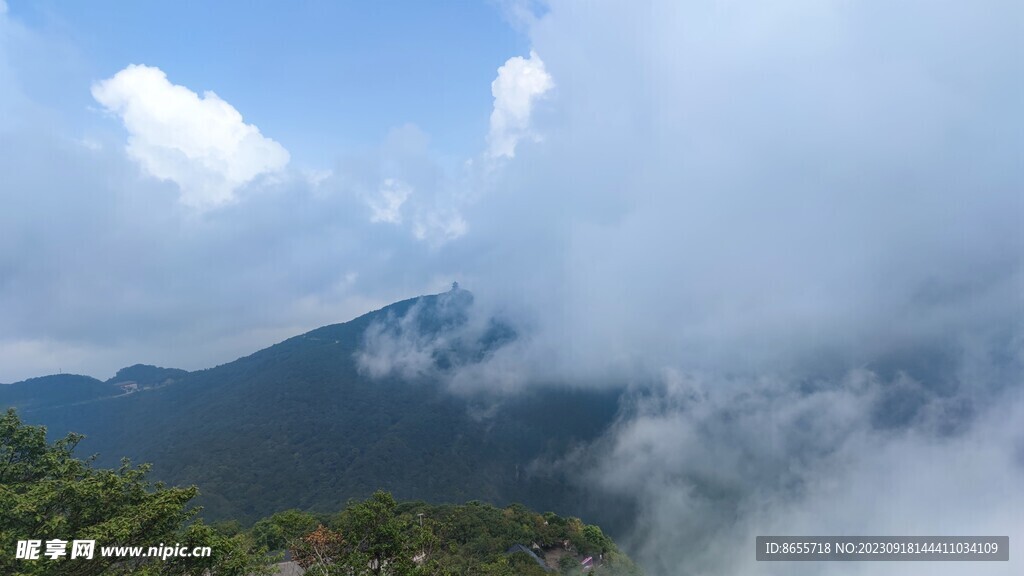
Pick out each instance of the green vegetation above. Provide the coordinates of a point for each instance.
(48, 494)
(283, 528)
(380, 536)
(297, 425)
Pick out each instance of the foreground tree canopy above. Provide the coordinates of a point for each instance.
(47, 494)
(381, 536)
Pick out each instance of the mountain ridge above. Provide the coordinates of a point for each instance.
(299, 424)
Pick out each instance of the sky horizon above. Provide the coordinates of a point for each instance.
(363, 95)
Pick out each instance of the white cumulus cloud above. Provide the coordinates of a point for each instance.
(519, 83)
(200, 143)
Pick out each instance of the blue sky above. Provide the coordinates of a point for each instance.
(190, 156)
(323, 78)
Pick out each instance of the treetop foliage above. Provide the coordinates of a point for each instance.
(48, 494)
(380, 536)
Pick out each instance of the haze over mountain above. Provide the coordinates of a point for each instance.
(301, 425)
(381, 402)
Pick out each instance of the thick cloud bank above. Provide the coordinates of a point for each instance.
(794, 229)
(727, 187)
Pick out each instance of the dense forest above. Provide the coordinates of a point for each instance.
(47, 493)
(298, 425)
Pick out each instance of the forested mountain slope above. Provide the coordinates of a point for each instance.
(298, 425)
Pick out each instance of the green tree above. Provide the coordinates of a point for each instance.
(372, 539)
(595, 540)
(280, 530)
(380, 541)
(48, 494)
